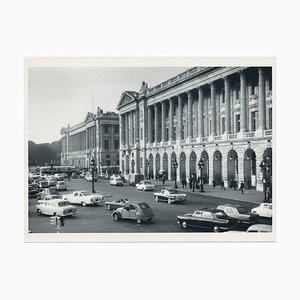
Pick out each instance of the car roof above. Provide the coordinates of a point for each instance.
(260, 227)
(213, 210)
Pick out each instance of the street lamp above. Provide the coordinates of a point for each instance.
(51, 166)
(132, 165)
(201, 167)
(266, 167)
(147, 167)
(115, 162)
(175, 166)
(93, 167)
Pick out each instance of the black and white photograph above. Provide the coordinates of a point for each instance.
(143, 150)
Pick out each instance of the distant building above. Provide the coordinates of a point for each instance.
(222, 115)
(97, 136)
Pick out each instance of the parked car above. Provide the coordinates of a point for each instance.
(83, 198)
(145, 185)
(82, 175)
(61, 186)
(89, 178)
(59, 177)
(74, 175)
(116, 181)
(43, 176)
(244, 215)
(260, 228)
(51, 181)
(170, 196)
(32, 191)
(263, 210)
(57, 207)
(48, 192)
(65, 175)
(43, 184)
(212, 219)
(135, 211)
(111, 205)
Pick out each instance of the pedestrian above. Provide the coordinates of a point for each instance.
(222, 185)
(214, 183)
(231, 184)
(194, 184)
(182, 182)
(234, 184)
(163, 179)
(190, 182)
(242, 187)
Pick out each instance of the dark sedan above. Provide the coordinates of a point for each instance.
(213, 219)
(112, 205)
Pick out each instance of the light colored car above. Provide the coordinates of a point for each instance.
(43, 184)
(89, 178)
(59, 177)
(145, 185)
(61, 186)
(51, 181)
(260, 228)
(47, 192)
(244, 215)
(84, 198)
(263, 210)
(111, 205)
(170, 196)
(134, 211)
(57, 207)
(116, 181)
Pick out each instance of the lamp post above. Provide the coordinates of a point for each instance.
(266, 167)
(201, 167)
(175, 166)
(147, 167)
(51, 167)
(132, 165)
(115, 163)
(92, 166)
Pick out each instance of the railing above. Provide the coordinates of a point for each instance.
(249, 134)
(174, 142)
(183, 141)
(166, 143)
(218, 138)
(193, 140)
(232, 136)
(205, 139)
(268, 132)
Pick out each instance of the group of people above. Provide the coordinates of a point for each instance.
(233, 184)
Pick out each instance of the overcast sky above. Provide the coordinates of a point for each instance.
(61, 96)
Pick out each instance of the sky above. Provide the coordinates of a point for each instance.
(58, 96)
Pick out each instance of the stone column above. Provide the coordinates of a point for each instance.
(190, 115)
(179, 120)
(163, 121)
(261, 100)
(121, 128)
(200, 109)
(243, 102)
(171, 120)
(137, 125)
(127, 129)
(132, 138)
(150, 138)
(227, 105)
(213, 108)
(156, 123)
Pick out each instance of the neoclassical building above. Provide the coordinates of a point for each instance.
(220, 114)
(97, 136)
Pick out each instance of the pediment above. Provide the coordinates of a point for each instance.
(127, 97)
(89, 117)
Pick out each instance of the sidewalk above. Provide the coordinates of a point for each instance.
(252, 195)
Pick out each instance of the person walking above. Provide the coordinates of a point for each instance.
(163, 179)
(242, 187)
(222, 185)
(214, 183)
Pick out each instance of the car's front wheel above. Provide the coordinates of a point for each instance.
(184, 225)
(116, 217)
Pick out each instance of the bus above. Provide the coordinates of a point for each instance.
(57, 169)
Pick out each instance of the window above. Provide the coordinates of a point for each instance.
(141, 134)
(229, 211)
(238, 123)
(106, 128)
(223, 125)
(116, 144)
(270, 118)
(142, 162)
(107, 156)
(116, 128)
(106, 144)
(108, 162)
(254, 118)
(207, 215)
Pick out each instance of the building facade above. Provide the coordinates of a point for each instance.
(222, 115)
(97, 136)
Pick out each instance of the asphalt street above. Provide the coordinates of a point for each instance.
(97, 219)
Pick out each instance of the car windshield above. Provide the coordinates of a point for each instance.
(147, 182)
(220, 215)
(144, 205)
(86, 193)
(64, 203)
(173, 192)
(242, 210)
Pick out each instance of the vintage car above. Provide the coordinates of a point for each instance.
(83, 198)
(170, 196)
(260, 228)
(32, 191)
(145, 185)
(135, 211)
(61, 186)
(112, 205)
(59, 176)
(89, 178)
(244, 215)
(43, 184)
(212, 219)
(116, 181)
(57, 207)
(48, 192)
(264, 210)
(51, 181)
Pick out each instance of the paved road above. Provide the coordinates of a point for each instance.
(97, 219)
